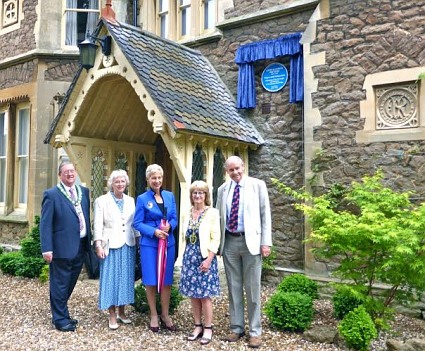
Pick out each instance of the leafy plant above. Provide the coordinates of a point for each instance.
(141, 301)
(299, 283)
(371, 240)
(358, 329)
(346, 299)
(292, 311)
(268, 262)
(44, 275)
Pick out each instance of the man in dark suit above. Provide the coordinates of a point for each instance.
(246, 237)
(65, 237)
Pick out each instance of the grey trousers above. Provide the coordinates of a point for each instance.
(243, 272)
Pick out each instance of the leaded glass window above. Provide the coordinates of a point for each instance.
(199, 164)
(219, 173)
(98, 174)
(140, 183)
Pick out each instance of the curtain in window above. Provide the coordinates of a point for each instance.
(247, 54)
(71, 23)
(92, 17)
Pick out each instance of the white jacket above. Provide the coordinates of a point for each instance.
(110, 225)
(209, 231)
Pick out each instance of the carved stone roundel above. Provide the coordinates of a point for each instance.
(397, 106)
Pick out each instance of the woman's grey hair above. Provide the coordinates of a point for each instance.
(154, 168)
(115, 174)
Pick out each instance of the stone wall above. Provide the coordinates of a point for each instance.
(19, 74)
(362, 38)
(21, 40)
(61, 70)
(279, 122)
(246, 7)
(12, 232)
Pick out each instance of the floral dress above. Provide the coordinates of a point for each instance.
(193, 282)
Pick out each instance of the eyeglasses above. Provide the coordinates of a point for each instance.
(198, 193)
(71, 171)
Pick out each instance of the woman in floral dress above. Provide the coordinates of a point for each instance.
(199, 276)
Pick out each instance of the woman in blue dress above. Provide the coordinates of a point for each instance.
(151, 208)
(199, 275)
(115, 240)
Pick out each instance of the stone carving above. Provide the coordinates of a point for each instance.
(397, 107)
(10, 12)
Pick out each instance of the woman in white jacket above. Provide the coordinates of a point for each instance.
(115, 241)
(200, 278)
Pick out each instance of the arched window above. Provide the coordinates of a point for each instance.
(98, 174)
(140, 183)
(199, 168)
(219, 173)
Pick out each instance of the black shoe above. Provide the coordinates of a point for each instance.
(204, 340)
(67, 328)
(73, 321)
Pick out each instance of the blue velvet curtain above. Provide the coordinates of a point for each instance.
(266, 50)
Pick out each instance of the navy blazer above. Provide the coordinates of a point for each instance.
(60, 225)
(148, 215)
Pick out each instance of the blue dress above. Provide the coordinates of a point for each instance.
(193, 282)
(116, 281)
(147, 219)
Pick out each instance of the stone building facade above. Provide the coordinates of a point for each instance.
(363, 107)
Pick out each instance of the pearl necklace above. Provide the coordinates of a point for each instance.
(77, 189)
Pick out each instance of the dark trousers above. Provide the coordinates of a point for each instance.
(64, 274)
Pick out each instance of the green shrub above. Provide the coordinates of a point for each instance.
(44, 275)
(292, 311)
(268, 262)
(141, 301)
(8, 262)
(30, 245)
(299, 283)
(14, 263)
(346, 299)
(1, 250)
(358, 329)
(370, 231)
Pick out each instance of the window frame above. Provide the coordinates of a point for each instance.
(3, 157)
(67, 10)
(203, 8)
(20, 206)
(195, 20)
(20, 16)
(184, 8)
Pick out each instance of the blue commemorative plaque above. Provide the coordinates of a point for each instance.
(274, 77)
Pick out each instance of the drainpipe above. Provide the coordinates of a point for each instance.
(135, 13)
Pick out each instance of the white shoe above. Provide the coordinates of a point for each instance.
(123, 320)
(113, 326)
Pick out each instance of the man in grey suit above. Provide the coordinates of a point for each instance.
(246, 237)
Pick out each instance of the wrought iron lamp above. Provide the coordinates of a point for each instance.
(88, 49)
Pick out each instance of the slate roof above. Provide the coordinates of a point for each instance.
(183, 84)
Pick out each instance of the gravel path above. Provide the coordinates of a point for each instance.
(25, 324)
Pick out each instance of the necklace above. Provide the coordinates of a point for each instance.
(77, 189)
(194, 225)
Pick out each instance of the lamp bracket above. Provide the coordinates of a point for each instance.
(105, 43)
